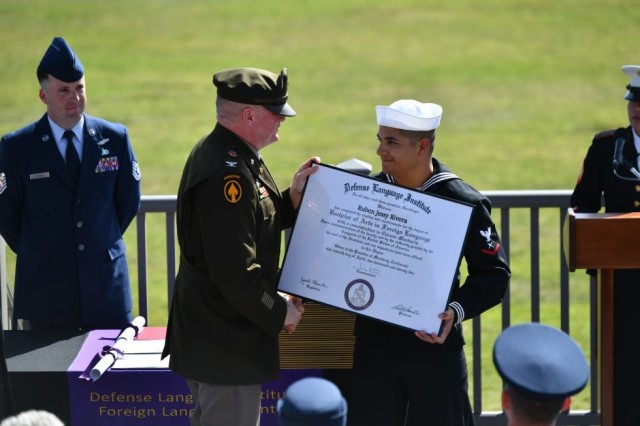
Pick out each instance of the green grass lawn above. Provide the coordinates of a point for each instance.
(524, 85)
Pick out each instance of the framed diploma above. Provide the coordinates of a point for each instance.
(375, 249)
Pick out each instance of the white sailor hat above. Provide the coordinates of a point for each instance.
(408, 114)
(632, 71)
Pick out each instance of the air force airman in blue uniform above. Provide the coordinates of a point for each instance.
(541, 368)
(71, 267)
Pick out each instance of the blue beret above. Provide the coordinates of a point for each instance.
(540, 361)
(312, 401)
(61, 62)
(255, 87)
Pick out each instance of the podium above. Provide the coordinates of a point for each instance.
(603, 241)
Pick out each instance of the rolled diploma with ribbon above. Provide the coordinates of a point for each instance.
(112, 353)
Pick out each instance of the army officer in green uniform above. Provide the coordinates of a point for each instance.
(226, 313)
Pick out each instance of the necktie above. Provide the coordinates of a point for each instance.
(73, 160)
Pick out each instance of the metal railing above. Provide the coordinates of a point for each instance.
(506, 204)
(533, 201)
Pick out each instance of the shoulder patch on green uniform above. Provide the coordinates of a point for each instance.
(232, 188)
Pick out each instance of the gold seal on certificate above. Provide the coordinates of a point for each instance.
(359, 294)
(375, 249)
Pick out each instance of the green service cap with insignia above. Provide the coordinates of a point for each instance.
(255, 87)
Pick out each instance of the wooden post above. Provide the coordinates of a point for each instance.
(603, 241)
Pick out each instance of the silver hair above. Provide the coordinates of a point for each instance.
(33, 418)
(228, 110)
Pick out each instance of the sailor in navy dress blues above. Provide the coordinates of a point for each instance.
(404, 377)
(610, 171)
(66, 225)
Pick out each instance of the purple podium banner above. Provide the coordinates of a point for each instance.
(155, 397)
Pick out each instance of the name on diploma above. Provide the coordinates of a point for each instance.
(375, 249)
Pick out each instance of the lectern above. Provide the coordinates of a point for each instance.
(603, 241)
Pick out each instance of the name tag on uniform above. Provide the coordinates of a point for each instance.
(43, 175)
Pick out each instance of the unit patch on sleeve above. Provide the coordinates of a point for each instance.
(232, 188)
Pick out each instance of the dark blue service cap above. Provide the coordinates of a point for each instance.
(312, 401)
(61, 62)
(255, 87)
(540, 361)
